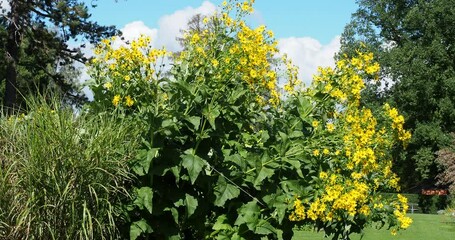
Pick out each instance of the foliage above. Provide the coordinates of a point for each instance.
(63, 176)
(446, 158)
(412, 42)
(228, 154)
(37, 49)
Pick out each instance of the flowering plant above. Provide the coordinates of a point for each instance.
(229, 154)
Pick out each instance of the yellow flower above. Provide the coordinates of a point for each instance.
(315, 124)
(316, 152)
(127, 78)
(195, 38)
(330, 127)
(325, 151)
(323, 175)
(245, 7)
(116, 100)
(129, 101)
(108, 85)
(243, 61)
(393, 232)
(215, 62)
(206, 20)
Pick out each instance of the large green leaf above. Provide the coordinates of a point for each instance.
(191, 204)
(193, 164)
(264, 228)
(211, 113)
(144, 160)
(249, 215)
(263, 174)
(196, 121)
(139, 227)
(224, 191)
(221, 224)
(144, 198)
(278, 202)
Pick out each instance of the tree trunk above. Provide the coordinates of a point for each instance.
(12, 58)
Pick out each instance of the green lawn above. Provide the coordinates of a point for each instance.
(425, 226)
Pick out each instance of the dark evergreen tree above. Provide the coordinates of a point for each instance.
(36, 37)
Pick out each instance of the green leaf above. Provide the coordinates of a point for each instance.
(304, 107)
(263, 174)
(139, 227)
(296, 165)
(249, 215)
(144, 198)
(224, 191)
(144, 160)
(196, 121)
(264, 228)
(220, 223)
(236, 236)
(166, 123)
(191, 204)
(277, 202)
(236, 94)
(211, 113)
(295, 150)
(238, 160)
(174, 212)
(193, 164)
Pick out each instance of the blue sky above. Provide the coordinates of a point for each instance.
(307, 30)
(319, 19)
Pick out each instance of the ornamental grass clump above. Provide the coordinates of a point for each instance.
(62, 175)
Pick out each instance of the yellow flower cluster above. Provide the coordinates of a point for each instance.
(349, 186)
(120, 69)
(397, 123)
(348, 81)
(246, 55)
(400, 212)
(299, 213)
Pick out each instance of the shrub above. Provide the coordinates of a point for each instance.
(63, 175)
(228, 154)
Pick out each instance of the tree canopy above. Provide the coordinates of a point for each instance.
(414, 41)
(40, 46)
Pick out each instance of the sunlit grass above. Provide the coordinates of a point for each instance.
(425, 226)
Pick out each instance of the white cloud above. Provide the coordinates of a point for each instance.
(135, 29)
(308, 54)
(170, 25)
(4, 5)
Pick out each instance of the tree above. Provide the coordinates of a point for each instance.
(37, 50)
(446, 157)
(414, 41)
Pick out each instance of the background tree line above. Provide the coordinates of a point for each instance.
(414, 41)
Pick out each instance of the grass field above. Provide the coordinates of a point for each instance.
(424, 227)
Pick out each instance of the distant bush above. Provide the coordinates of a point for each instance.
(431, 204)
(427, 203)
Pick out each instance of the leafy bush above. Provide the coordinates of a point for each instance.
(432, 204)
(63, 175)
(228, 154)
